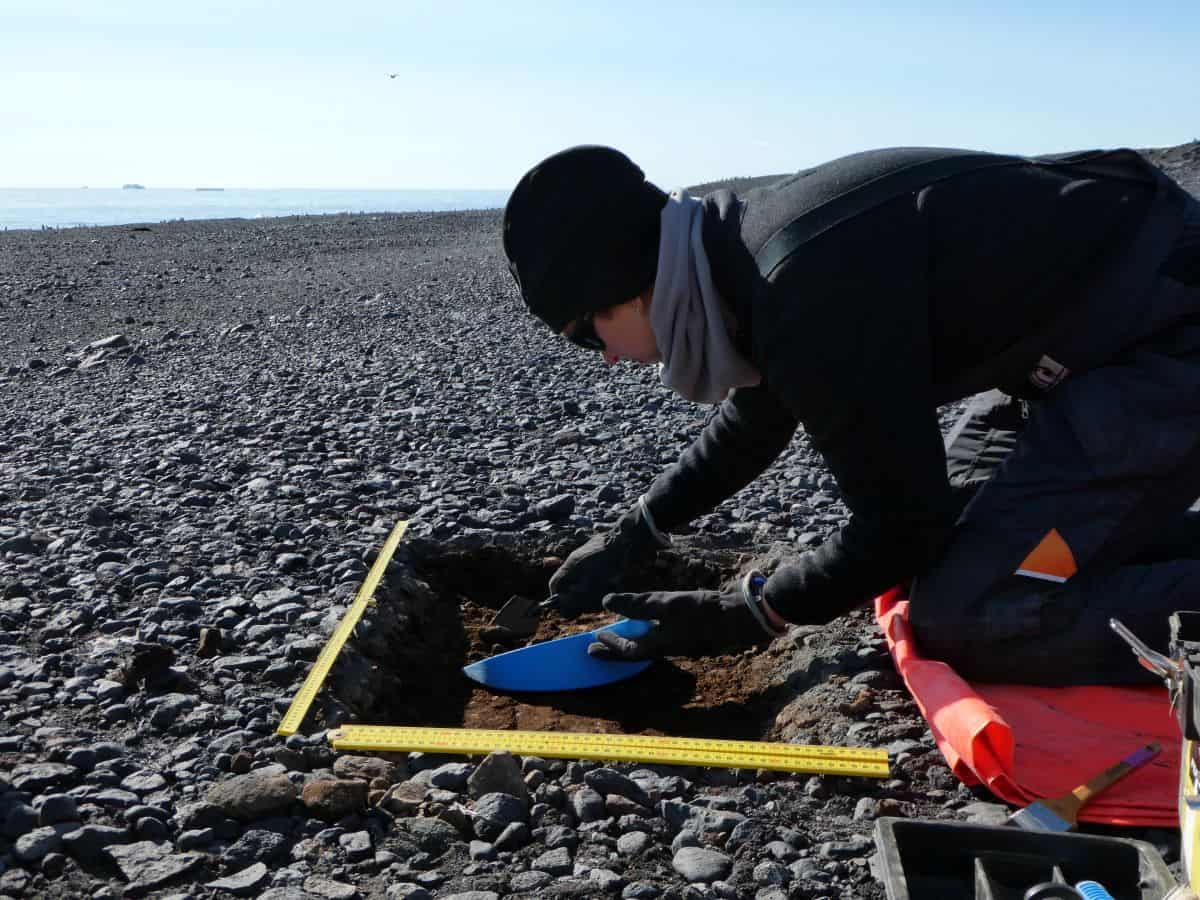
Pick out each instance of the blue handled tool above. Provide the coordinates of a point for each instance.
(562, 664)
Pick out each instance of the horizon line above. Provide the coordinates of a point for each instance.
(219, 187)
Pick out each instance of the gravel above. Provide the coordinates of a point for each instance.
(208, 430)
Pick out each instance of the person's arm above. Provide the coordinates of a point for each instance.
(888, 459)
(890, 468)
(750, 429)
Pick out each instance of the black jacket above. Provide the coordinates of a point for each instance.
(927, 292)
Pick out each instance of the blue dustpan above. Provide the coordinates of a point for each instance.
(559, 665)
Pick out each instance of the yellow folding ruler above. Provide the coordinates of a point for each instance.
(316, 676)
(675, 751)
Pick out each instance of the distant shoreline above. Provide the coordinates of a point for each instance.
(33, 209)
(265, 221)
(280, 190)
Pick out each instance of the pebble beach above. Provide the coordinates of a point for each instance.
(209, 428)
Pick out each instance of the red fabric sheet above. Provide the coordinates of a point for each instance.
(1027, 743)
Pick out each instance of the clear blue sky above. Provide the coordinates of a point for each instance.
(296, 93)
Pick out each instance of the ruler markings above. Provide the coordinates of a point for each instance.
(316, 676)
(807, 758)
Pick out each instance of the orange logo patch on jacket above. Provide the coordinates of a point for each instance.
(1051, 560)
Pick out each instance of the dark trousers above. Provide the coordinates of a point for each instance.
(1075, 511)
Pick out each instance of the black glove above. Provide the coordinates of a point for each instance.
(596, 568)
(689, 623)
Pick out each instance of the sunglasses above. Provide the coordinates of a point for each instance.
(584, 333)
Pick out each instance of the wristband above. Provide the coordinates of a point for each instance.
(752, 587)
(664, 540)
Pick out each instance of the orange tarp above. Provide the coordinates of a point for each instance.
(1026, 743)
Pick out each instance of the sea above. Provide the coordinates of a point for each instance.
(72, 207)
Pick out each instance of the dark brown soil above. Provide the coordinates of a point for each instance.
(723, 697)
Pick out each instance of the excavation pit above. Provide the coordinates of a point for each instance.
(404, 665)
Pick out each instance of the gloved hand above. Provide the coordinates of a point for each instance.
(596, 568)
(689, 623)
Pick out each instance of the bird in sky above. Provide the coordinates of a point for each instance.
(393, 74)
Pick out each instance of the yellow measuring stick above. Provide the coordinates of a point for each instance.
(675, 751)
(316, 676)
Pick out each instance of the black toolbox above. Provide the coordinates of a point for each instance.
(921, 860)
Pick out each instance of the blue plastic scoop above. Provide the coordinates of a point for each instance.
(562, 664)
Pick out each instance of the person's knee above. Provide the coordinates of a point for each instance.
(956, 625)
(937, 615)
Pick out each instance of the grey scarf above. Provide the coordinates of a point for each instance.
(690, 319)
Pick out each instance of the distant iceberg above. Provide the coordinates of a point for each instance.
(133, 187)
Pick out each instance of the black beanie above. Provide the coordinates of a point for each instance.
(581, 233)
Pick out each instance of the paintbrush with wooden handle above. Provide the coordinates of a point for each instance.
(1062, 813)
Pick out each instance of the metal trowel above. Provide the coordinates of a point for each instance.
(562, 664)
(519, 616)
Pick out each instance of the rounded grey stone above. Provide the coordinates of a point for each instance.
(256, 845)
(406, 892)
(588, 805)
(560, 836)
(697, 864)
(254, 795)
(58, 808)
(632, 843)
(191, 816)
(982, 813)
(482, 851)
(329, 889)
(554, 862)
(143, 782)
(87, 844)
(195, 839)
(53, 865)
(500, 772)
(513, 837)
(607, 880)
(356, 845)
(33, 846)
(780, 850)
(148, 828)
(532, 880)
(20, 819)
(606, 781)
(769, 872)
(451, 777)
(37, 777)
(640, 890)
(495, 812)
(855, 847)
(685, 838)
(82, 758)
(433, 836)
(245, 883)
(143, 810)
